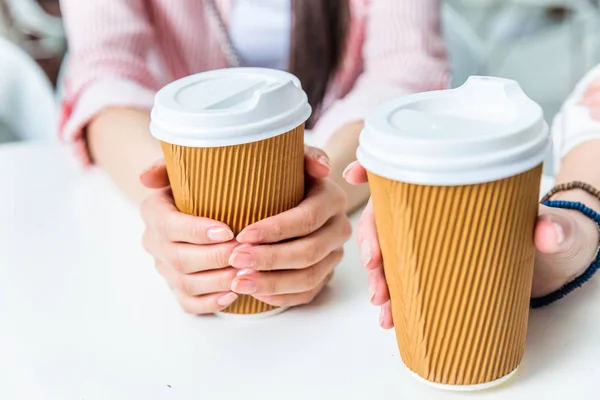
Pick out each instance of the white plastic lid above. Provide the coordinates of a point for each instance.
(485, 130)
(228, 107)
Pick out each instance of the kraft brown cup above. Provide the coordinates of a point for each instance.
(239, 185)
(459, 262)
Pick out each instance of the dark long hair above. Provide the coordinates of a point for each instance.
(318, 43)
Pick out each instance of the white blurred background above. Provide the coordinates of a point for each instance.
(546, 45)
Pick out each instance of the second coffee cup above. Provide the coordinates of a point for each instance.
(455, 178)
(233, 142)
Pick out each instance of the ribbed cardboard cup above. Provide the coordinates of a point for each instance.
(233, 142)
(454, 178)
(459, 262)
(239, 185)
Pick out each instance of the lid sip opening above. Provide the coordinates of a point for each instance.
(485, 130)
(228, 107)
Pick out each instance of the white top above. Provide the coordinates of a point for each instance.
(228, 107)
(260, 31)
(84, 315)
(573, 124)
(486, 130)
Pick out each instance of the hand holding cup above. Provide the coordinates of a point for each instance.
(207, 268)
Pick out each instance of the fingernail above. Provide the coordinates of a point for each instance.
(242, 260)
(381, 316)
(243, 286)
(227, 299)
(252, 236)
(560, 232)
(324, 161)
(155, 164)
(245, 272)
(348, 168)
(372, 291)
(365, 253)
(264, 299)
(219, 234)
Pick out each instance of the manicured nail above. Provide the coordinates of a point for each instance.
(381, 316)
(372, 291)
(227, 299)
(252, 236)
(324, 161)
(244, 286)
(242, 260)
(348, 168)
(264, 299)
(155, 164)
(243, 272)
(365, 253)
(219, 234)
(560, 233)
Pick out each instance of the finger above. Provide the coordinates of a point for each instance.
(566, 243)
(316, 162)
(296, 254)
(200, 283)
(155, 176)
(370, 253)
(161, 215)
(324, 200)
(207, 304)
(294, 299)
(378, 290)
(591, 99)
(595, 113)
(285, 282)
(385, 316)
(593, 88)
(355, 174)
(188, 258)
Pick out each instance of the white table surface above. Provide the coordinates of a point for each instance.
(83, 315)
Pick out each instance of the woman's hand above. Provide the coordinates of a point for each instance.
(591, 99)
(566, 243)
(284, 260)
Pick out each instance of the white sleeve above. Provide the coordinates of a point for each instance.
(573, 124)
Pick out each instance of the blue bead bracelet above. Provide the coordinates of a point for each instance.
(589, 272)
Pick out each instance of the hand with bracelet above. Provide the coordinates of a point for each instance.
(567, 234)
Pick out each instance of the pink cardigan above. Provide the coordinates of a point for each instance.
(123, 51)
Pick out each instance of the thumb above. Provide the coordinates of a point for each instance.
(355, 174)
(155, 176)
(566, 243)
(316, 162)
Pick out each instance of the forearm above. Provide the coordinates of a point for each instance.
(120, 142)
(581, 164)
(341, 149)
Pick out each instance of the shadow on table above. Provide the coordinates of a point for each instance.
(561, 333)
(558, 336)
(343, 288)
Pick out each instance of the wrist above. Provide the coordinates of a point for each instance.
(579, 196)
(575, 255)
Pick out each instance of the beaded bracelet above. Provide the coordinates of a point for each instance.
(589, 272)
(565, 187)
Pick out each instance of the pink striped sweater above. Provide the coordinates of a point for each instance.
(123, 51)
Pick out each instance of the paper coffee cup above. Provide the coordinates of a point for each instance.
(234, 149)
(454, 178)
